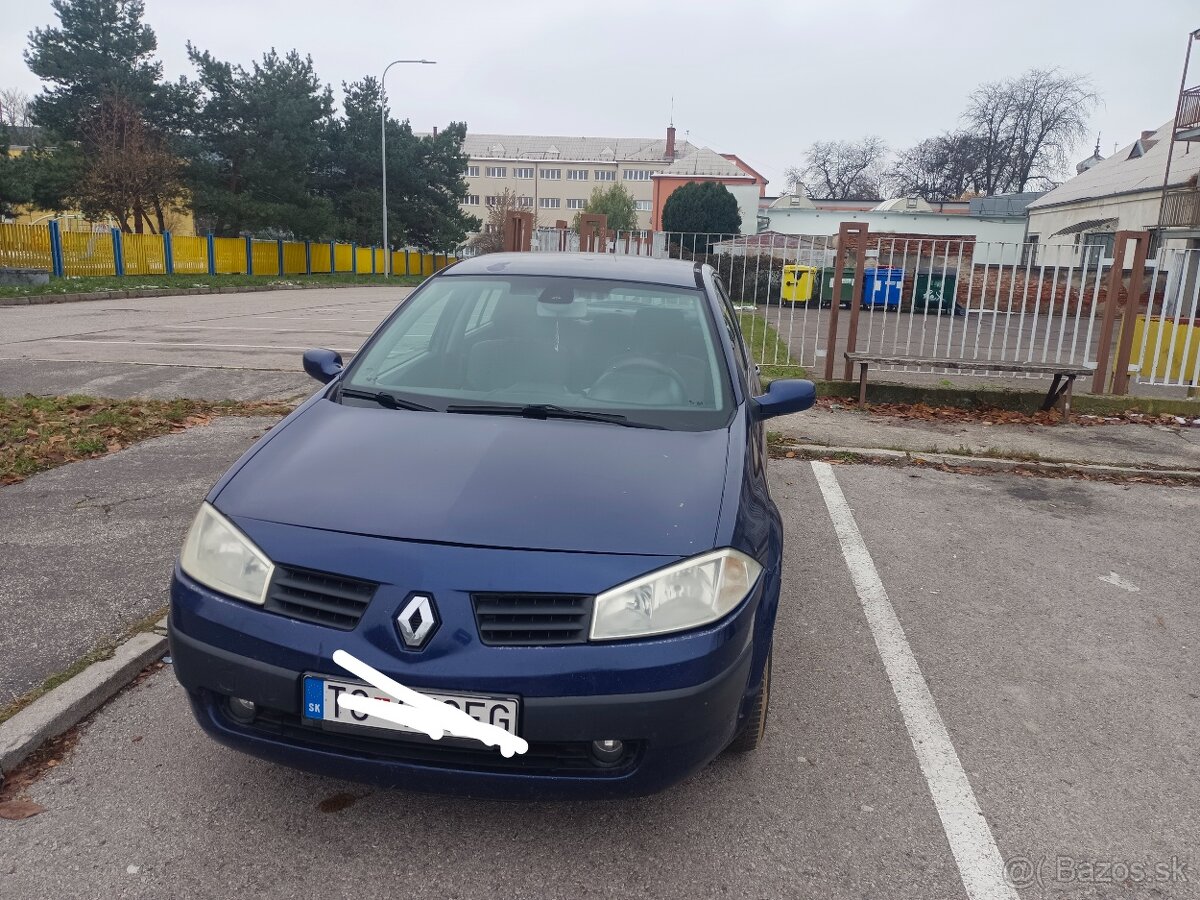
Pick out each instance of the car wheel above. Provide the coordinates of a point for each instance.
(752, 732)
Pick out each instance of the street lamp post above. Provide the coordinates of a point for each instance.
(387, 253)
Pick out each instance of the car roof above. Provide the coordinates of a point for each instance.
(674, 272)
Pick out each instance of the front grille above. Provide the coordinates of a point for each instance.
(318, 597)
(532, 620)
(543, 758)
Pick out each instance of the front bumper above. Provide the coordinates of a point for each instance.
(570, 696)
(670, 734)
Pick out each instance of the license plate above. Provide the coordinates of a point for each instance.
(320, 704)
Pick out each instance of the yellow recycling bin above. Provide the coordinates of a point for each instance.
(798, 284)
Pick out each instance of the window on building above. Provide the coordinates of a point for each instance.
(551, 174)
(576, 204)
(549, 203)
(577, 174)
(497, 171)
(643, 205)
(471, 200)
(1029, 251)
(1102, 239)
(525, 202)
(472, 171)
(523, 172)
(606, 175)
(492, 200)
(637, 174)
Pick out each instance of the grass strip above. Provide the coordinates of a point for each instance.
(39, 433)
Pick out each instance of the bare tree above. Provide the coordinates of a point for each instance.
(491, 239)
(946, 167)
(130, 173)
(14, 108)
(1028, 126)
(843, 170)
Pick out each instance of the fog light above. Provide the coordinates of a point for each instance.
(241, 710)
(607, 752)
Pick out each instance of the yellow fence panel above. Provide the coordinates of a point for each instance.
(362, 260)
(343, 258)
(293, 258)
(426, 267)
(265, 255)
(25, 247)
(88, 253)
(1178, 347)
(144, 254)
(320, 258)
(189, 255)
(380, 259)
(229, 256)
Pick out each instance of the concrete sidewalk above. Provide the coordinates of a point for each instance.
(1145, 446)
(86, 549)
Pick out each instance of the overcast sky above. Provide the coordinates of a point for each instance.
(760, 79)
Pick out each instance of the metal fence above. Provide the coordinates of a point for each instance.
(105, 251)
(1166, 332)
(944, 298)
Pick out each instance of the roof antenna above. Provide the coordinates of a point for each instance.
(672, 123)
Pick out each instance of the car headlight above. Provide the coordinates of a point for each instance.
(218, 555)
(686, 595)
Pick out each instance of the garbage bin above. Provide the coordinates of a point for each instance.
(797, 284)
(845, 295)
(882, 287)
(934, 291)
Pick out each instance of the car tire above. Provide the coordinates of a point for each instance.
(751, 735)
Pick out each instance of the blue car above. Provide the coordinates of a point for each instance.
(538, 493)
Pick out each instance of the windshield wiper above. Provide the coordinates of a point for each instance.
(547, 411)
(384, 399)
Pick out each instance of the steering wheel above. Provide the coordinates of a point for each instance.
(676, 393)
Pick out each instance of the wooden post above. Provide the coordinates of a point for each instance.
(860, 264)
(1125, 341)
(1111, 299)
(847, 232)
(518, 231)
(593, 230)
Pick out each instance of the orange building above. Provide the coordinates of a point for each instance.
(745, 183)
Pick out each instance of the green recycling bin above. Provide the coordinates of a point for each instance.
(934, 291)
(845, 295)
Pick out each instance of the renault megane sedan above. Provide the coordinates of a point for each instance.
(538, 494)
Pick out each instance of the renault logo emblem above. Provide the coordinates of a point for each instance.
(417, 621)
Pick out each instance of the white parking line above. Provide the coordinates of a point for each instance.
(971, 841)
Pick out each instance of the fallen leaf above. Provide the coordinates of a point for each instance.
(20, 809)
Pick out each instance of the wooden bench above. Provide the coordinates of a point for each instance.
(1060, 390)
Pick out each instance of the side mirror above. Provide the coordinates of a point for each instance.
(323, 365)
(785, 395)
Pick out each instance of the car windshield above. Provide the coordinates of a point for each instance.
(625, 351)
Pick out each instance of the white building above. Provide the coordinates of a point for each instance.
(1004, 235)
(1123, 192)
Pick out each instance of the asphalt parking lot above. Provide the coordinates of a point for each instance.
(1004, 651)
(218, 346)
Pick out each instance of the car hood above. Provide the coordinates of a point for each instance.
(482, 480)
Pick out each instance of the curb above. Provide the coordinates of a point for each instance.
(907, 457)
(134, 293)
(73, 701)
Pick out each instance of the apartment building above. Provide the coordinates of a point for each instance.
(554, 175)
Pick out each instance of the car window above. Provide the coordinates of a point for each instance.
(731, 324)
(645, 351)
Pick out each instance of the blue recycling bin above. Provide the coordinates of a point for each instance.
(882, 287)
